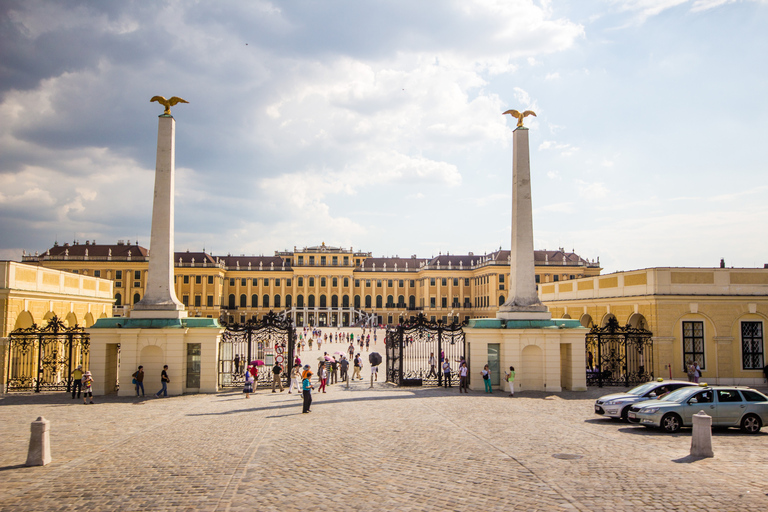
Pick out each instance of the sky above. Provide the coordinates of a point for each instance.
(378, 125)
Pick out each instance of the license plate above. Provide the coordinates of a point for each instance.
(632, 415)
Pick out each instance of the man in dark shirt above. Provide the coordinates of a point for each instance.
(276, 380)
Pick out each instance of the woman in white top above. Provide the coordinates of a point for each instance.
(463, 377)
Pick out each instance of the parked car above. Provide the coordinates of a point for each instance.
(616, 405)
(729, 406)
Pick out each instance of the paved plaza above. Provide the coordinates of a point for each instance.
(365, 449)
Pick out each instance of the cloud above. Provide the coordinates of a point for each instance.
(595, 190)
(562, 149)
(552, 76)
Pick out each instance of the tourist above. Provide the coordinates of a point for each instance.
(306, 389)
(87, 383)
(77, 381)
(295, 374)
(164, 380)
(375, 372)
(237, 363)
(696, 372)
(463, 377)
(344, 364)
(254, 371)
(323, 374)
(432, 365)
(487, 379)
(248, 387)
(334, 371)
(510, 378)
(691, 371)
(138, 380)
(447, 374)
(276, 380)
(351, 350)
(358, 366)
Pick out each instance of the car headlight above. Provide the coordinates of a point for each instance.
(648, 410)
(613, 402)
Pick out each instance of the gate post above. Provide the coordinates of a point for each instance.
(39, 361)
(599, 359)
(70, 339)
(289, 362)
(626, 357)
(400, 345)
(248, 331)
(440, 355)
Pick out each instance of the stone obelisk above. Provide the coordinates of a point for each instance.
(523, 302)
(160, 299)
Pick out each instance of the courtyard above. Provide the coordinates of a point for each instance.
(366, 448)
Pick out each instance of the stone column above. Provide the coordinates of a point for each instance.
(160, 299)
(523, 302)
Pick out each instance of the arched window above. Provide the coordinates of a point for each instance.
(367, 301)
(265, 301)
(378, 301)
(243, 301)
(400, 301)
(345, 301)
(390, 301)
(311, 281)
(311, 301)
(277, 301)
(501, 300)
(136, 298)
(254, 301)
(288, 301)
(357, 301)
(118, 299)
(299, 301)
(323, 301)
(412, 301)
(231, 301)
(301, 281)
(334, 301)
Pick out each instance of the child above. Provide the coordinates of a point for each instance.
(87, 383)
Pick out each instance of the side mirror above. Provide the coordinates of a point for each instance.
(693, 401)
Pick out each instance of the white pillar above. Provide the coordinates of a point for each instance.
(523, 302)
(160, 299)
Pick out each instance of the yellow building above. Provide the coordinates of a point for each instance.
(715, 316)
(320, 285)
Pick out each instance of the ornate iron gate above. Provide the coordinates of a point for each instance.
(619, 356)
(43, 358)
(410, 346)
(271, 339)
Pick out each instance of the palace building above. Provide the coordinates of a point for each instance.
(320, 286)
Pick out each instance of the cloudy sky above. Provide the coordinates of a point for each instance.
(378, 126)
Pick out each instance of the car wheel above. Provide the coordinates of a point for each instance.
(671, 422)
(751, 424)
(625, 414)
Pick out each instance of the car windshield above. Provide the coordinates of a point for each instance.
(681, 395)
(642, 388)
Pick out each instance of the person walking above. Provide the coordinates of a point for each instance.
(510, 378)
(487, 379)
(306, 390)
(295, 378)
(248, 386)
(323, 374)
(276, 380)
(432, 365)
(696, 372)
(447, 374)
(463, 377)
(164, 380)
(358, 367)
(87, 383)
(138, 380)
(344, 365)
(236, 363)
(334, 371)
(77, 381)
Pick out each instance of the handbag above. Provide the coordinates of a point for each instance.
(133, 382)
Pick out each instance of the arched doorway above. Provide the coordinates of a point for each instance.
(532, 370)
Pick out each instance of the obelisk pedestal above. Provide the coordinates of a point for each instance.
(160, 299)
(523, 303)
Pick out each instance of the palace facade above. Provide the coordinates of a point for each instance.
(317, 286)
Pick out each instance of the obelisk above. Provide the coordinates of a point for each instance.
(523, 302)
(160, 299)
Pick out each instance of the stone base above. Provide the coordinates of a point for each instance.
(146, 313)
(524, 315)
(159, 342)
(549, 358)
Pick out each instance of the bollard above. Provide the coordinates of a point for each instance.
(701, 439)
(39, 443)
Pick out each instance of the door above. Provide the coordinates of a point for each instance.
(730, 408)
(702, 401)
(493, 363)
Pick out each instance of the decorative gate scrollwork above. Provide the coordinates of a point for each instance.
(43, 358)
(619, 356)
(270, 339)
(410, 345)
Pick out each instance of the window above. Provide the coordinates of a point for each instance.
(728, 395)
(378, 283)
(231, 281)
(322, 282)
(311, 281)
(322, 260)
(118, 299)
(255, 281)
(444, 282)
(209, 301)
(266, 282)
(390, 301)
(346, 261)
(357, 283)
(367, 283)
(97, 273)
(198, 301)
(389, 283)
(413, 283)
(186, 279)
(323, 301)
(311, 260)
(444, 302)
(357, 301)
(299, 301)
(538, 278)
(301, 260)
(301, 281)
(334, 301)
(194, 359)
(288, 301)
(277, 301)
(466, 281)
(231, 301)
(752, 345)
(254, 301)
(311, 301)
(501, 278)
(210, 279)
(432, 302)
(752, 396)
(412, 301)
(401, 283)
(432, 281)
(118, 274)
(243, 301)
(693, 344)
(335, 260)
(345, 301)
(198, 279)
(367, 301)
(378, 302)
(335, 282)
(136, 298)
(137, 274)
(277, 282)
(265, 301)
(287, 282)
(557, 277)
(346, 282)
(501, 300)
(455, 281)
(137, 284)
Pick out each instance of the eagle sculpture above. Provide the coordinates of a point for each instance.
(519, 116)
(167, 103)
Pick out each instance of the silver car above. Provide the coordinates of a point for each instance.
(617, 405)
(729, 406)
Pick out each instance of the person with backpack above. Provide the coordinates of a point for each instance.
(164, 380)
(138, 380)
(87, 387)
(248, 387)
(358, 367)
(77, 382)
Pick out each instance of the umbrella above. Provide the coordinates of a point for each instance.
(257, 362)
(339, 353)
(321, 358)
(374, 358)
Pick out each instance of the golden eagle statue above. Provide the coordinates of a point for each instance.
(167, 103)
(519, 116)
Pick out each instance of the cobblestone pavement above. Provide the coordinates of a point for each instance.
(366, 449)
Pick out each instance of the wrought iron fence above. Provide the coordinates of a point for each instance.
(619, 356)
(270, 339)
(411, 347)
(43, 358)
